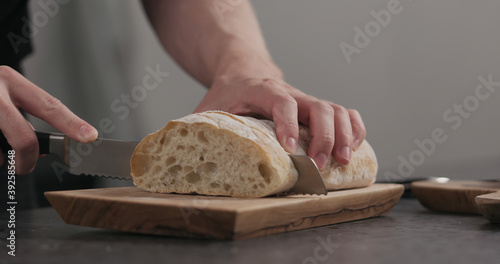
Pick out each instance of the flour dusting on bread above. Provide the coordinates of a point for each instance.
(216, 153)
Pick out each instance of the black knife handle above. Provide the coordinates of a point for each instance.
(43, 142)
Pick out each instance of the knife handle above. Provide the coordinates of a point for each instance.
(43, 142)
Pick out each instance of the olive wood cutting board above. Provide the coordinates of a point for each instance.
(460, 196)
(134, 210)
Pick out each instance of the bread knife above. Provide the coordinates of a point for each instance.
(103, 157)
(111, 158)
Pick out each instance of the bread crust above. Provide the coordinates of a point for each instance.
(217, 153)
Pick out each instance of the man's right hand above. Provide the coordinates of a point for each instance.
(18, 92)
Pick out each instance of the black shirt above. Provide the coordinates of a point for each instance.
(15, 41)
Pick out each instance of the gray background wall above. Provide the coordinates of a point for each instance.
(426, 59)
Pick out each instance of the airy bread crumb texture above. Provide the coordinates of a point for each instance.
(216, 153)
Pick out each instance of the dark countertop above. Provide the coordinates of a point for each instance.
(410, 234)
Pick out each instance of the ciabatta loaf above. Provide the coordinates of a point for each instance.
(217, 153)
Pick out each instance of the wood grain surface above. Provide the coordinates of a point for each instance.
(133, 210)
(475, 197)
(489, 206)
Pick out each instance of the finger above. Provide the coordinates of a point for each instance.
(287, 125)
(343, 135)
(358, 128)
(20, 136)
(282, 108)
(46, 107)
(320, 119)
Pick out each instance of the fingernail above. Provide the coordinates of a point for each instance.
(346, 153)
(291, 145)
(356, 144)
(320, 160)
(87, 133)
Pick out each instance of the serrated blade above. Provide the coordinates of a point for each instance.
(310, 180)
(103, 157)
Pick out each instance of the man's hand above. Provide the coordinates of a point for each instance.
(227, 53)
(335, 130)
(17, 92)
